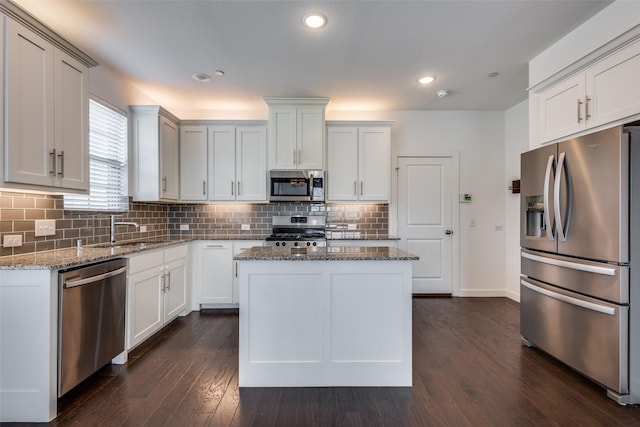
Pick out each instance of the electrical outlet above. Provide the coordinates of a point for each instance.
(472, 222)
(45, 227)
(184, 227)
(12, 240)
(498, 228)
(245, 227)
(352, 226)
(143, 228)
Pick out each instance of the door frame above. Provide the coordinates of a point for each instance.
(455, 208)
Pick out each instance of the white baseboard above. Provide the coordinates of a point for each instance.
(482, 293)
(512, 295)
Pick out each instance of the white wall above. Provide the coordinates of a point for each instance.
(516, 142)
(478, 138)
(115, 89)
(620, 17)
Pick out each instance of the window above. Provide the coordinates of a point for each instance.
(108, 191)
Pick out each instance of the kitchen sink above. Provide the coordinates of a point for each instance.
(137, 244)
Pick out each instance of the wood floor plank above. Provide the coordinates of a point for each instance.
(469, 369)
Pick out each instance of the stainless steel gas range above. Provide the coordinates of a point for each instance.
(298, 231)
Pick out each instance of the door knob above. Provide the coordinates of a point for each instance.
(448, 232)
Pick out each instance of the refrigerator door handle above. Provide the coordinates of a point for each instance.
(570, 300)
(560, 228)
(547, 216)
(572, 265)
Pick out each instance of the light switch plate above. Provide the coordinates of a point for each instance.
(45, 227)
(184, 227)
(245, 227)
(352, 226)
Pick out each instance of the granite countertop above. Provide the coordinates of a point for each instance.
(73, 257)
(373, 253)
(358, 235)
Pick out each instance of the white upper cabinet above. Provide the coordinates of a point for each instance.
(358, 161)
(560, 109)
(155, 154)
(224, 162)
(602, 93)
(296, 132)
(237, 166)
(46, 106)
(612, 85)
(193, 163)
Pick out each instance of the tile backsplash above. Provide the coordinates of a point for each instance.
(19, 211)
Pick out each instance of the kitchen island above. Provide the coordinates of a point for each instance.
(335, 316)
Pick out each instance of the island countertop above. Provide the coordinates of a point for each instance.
(330, 253)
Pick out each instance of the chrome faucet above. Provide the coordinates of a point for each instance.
(113, 227)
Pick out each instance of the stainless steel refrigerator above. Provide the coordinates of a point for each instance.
(580, 239)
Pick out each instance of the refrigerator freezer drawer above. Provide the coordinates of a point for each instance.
(589, 335)
(603, 281)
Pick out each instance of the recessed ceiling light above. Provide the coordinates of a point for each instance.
(201, 77)
(426, 80)
(494, 74)
(442, 93)
(219, 73)
(314, 20)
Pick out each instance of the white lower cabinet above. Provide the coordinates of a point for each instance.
(156, 291)
(215, 273)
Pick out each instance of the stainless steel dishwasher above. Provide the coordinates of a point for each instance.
(91, 329)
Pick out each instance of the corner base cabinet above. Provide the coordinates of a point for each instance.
(156, 291)
(215, 273)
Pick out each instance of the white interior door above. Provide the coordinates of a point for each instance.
(425, 218)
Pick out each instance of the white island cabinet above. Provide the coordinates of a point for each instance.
(325, 317)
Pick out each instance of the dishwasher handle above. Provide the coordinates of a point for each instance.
(92, 279)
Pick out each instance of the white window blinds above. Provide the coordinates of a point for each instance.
(108, 190)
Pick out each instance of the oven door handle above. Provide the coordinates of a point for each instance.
(570, 300)
(92, 279)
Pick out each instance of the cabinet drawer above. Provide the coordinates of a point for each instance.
(145, 261)
(175, 253)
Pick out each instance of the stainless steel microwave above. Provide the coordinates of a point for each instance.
(296, 186)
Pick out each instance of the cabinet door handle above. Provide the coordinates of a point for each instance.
(238, 188)
(169, 281)
(164, 184)
(163, 282)
(52, 172)
(294, 156)
(579, 105)
(61, 158)
(361, 187)
(204, 188)
(232, 193)
(355, 188)
(215, 246)
(586, 108)
(236, 268)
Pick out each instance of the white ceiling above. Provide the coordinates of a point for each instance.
(367, 58)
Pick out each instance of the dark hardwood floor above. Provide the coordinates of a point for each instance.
(470, 369)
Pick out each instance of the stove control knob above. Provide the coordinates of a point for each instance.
(308, 243)
(277, 243)
(284, 243)
(315, 243)
(295, 244)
